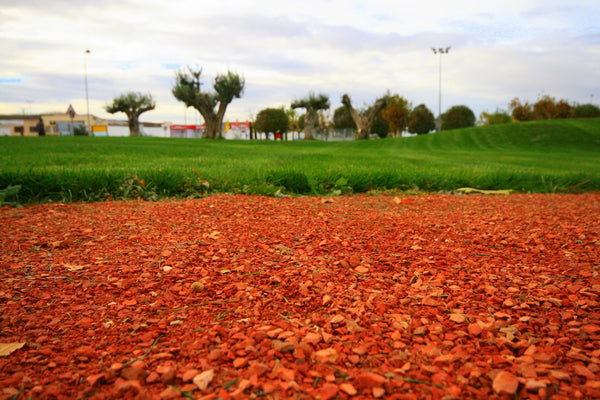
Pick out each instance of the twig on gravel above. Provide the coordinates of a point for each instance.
(145, 354)
(411, 380)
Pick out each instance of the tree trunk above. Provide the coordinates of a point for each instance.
(220, 115)
(360, 122)
(309, 124)
(213, 120)
(213, 128)
(134, 124)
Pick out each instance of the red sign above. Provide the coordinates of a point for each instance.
(183, 127)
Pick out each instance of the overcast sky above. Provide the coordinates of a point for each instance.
(286, 49)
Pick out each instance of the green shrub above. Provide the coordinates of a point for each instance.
(458, 117)
(586, 111)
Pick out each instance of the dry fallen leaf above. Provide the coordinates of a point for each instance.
(74, 268)
(7, 348)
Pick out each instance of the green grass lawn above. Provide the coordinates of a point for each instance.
(542, 156)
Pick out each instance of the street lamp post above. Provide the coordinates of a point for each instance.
(87, 99)
(440, 51)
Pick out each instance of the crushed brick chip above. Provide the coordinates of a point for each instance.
(233, 296)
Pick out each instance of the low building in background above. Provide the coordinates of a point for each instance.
(61, 124)
(121, 128)
(55, 124)
(18, 125)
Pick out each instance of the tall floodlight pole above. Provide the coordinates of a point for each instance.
(87, 99)
(440, 51)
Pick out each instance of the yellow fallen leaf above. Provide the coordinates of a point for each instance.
(74, 268)
(7, 348)
(468, 190)
(203, 379)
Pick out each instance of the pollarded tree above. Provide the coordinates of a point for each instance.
(421, 120)
(397, 113)
(187, 89)
(364, 120)
(458, 117)
(342, 118)
(133, 104)
(312, 104)
(272, 120)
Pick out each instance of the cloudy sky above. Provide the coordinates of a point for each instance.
(286, 49)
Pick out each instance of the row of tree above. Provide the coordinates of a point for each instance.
(547, 107)
(187, 89)
(389, 115)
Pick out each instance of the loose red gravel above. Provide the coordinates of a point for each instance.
(422, 297)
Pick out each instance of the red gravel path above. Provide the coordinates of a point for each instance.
(434, 296)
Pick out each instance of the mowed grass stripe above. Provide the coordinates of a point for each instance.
(542, 156)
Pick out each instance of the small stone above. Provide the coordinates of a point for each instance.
(370, 380)
(348, 389)
(131, 373)
(556, 302)
(354, 260)
(533, 385)
(189, 375)
(283, 347)
(361, 269)
(312, 338)
(203, 379)
(560, 375)
(583, 371)
(86, 351)
(430, 301)
(93, 379)
(169, 394)
(168, 375)
(257, 369)
(124, 387)
(474, 329)
(353, 327)
(508, 303)
(240, 362)
(215, 354)
(326, 355)
(458, 318)
(420, 331)
(197, 287)
(505, 383)
(327, 391)
(153, 377)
